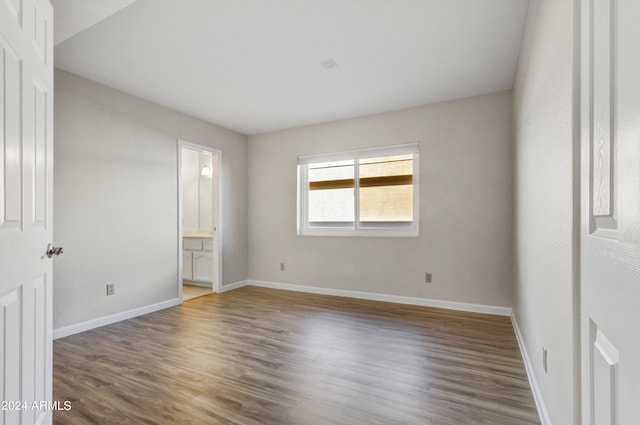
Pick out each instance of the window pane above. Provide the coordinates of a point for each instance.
(396, 165)
(359, 193)
(326, 171)
(386, 204)
(331, 192)
(386, 190)
(331, 208)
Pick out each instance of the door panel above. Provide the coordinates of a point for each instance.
(26, 174)
(10, 344)
(604, 385)
(203, 266)
(610, 230)
(39, 34)
(187, 265)
(11, 154)
(602, 124)
(40, 182)
(14, 7)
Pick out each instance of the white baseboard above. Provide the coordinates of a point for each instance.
(113, 318)
(399, 299)
(533, 382)
(232, 286)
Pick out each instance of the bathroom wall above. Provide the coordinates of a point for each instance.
(197, 190)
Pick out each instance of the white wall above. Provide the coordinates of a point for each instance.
(116, 199)
(466, 208)
(190, 189)
(545, 218)
(197, 190)
(205, 191)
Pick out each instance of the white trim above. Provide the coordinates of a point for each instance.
(180, 219)
(399, 232)
(117, 317)
(362, 153)
(232, 286)
(113, 318)
(398, 299)
(533, 382)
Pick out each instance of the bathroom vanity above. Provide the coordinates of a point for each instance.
(197, 259)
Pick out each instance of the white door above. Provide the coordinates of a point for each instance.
(26, 173)
(610, 230)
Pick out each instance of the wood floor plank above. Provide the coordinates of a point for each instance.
(190, 292)
(258, 356)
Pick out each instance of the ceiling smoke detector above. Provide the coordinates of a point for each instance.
(328, 63)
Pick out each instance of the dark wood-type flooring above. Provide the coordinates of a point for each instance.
(263, 356)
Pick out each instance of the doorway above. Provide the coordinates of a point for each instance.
(199, 241)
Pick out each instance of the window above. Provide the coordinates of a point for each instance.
(370, 192)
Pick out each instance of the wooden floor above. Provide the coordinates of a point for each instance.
(190, 292)
(263, 356)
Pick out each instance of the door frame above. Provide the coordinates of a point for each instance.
(577, 181)
(217, 212)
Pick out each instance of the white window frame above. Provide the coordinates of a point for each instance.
(303, 192)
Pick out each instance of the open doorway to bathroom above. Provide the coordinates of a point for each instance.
(199, 220)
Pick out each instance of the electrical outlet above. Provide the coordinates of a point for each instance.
(111, 288)
(428, 278)
(281, 267)
(544, 360)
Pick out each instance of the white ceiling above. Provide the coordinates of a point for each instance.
(74, 16)
(254, 65)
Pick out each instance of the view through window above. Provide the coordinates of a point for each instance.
(368, 192)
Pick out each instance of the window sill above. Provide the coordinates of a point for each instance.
(379, 233)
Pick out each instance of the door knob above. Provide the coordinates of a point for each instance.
(54, 251)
